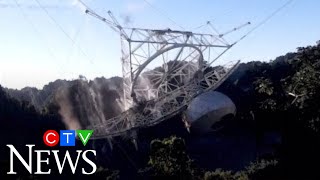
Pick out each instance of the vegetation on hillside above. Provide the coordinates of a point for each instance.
(282, 95)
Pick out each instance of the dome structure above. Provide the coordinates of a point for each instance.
(207, 109)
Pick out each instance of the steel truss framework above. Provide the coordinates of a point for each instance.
(163, 70)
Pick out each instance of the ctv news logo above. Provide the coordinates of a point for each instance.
(52, 138)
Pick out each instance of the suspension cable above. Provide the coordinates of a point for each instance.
(163, 14)
(64, 32)
(265, 20)
(25, 16)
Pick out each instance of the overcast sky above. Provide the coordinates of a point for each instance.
(34, 50)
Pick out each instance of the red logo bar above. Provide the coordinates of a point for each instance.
(51, 138)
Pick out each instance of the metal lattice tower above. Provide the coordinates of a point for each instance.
(163, 70)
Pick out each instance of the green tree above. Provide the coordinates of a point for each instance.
(168, 158)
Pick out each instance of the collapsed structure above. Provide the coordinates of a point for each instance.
(163, 71)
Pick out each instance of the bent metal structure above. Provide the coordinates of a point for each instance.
(163, 70)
